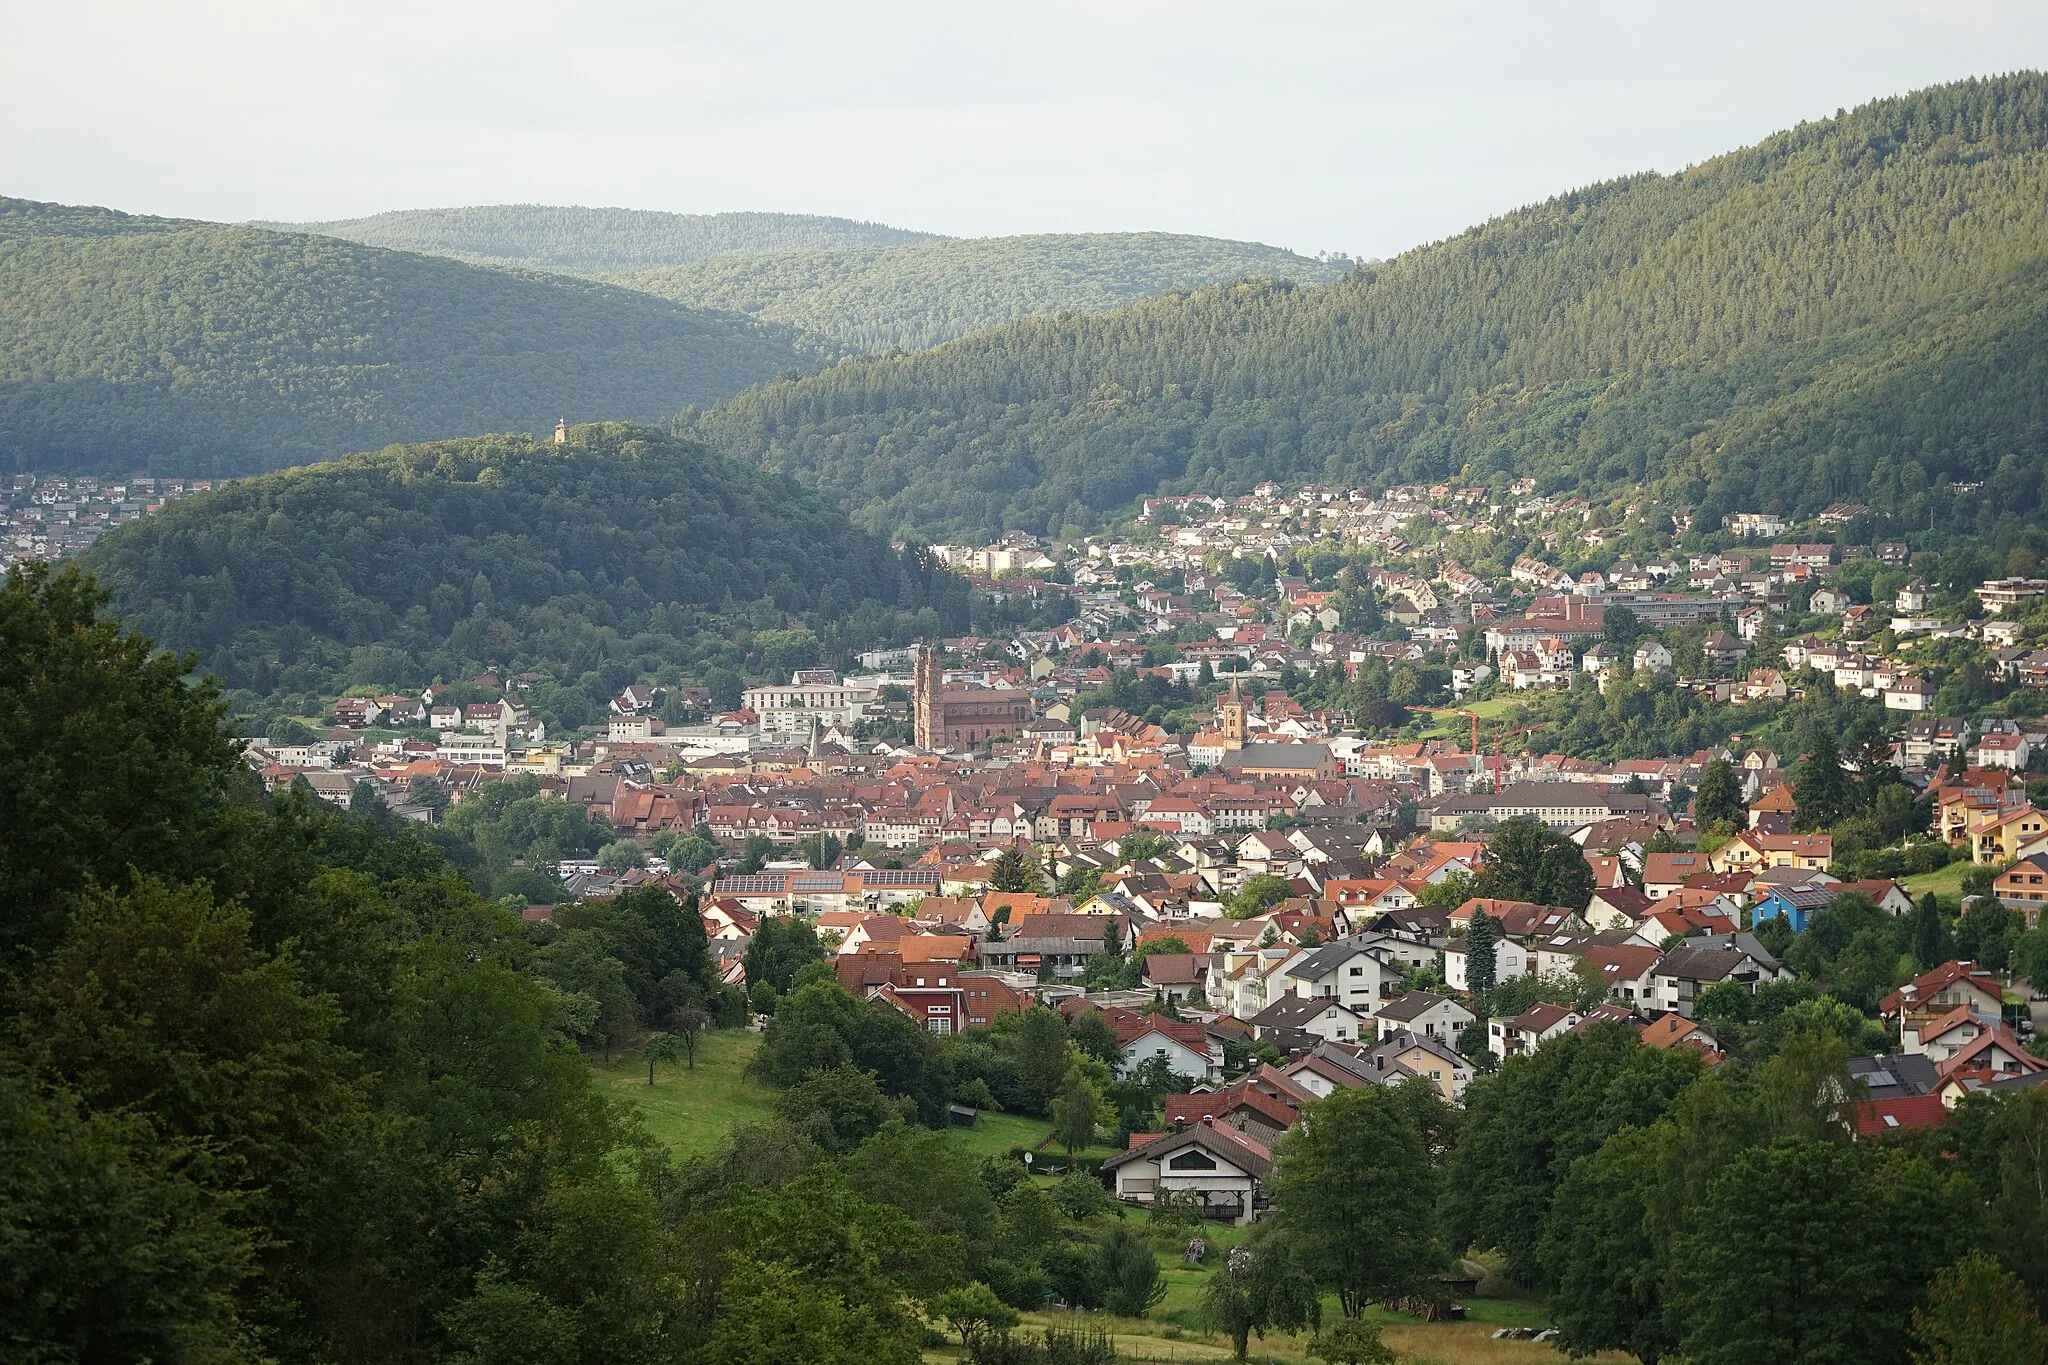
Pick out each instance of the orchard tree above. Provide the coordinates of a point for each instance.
(1260, 1288)
(973, 1310)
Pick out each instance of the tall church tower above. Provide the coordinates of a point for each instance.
(924, 695)
(1230, 716)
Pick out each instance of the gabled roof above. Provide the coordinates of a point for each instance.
(1294, 1011)
(1674, 1030)
(1320, 962)
(1626, 899)
(1247, 1153)
(1874, 1118)
(1401, 1040)
(1938, 979)
(1186, 1109)
(1542, 1016)
(1413, 1005)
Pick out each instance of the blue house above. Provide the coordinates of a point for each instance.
(1795, 903)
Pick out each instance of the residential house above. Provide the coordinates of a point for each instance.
(1324, 1017)
(1425, 1055)
(1683, 973)
(1530, 1029)
(1220, 1166)
(1794, 903)
(1424, 1013)
(1358, 971)
(1751, 849)
(2024, 887)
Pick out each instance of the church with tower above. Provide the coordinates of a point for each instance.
(960, 717)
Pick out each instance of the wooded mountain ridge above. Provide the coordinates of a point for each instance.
(1857, 307)
(913, 296)
(131, 343)
(590, 240)
(624, 554)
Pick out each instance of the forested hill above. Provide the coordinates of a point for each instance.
(622, 555)
(1858, 306)
(914, 296)
(586, 240)
(130, 342)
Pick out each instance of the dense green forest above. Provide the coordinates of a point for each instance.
(276, 1085)
(587, 240)
(625, 554)
(1857, 307)
(146, 343)
(911, 297)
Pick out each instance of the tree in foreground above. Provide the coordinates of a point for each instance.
(1795, 1259)
(1259, 1289)
(1130, 1273)
(1356, 1197)
(973, 1310)
(1075, 1110)
(663, 1047)
(1978, 1313)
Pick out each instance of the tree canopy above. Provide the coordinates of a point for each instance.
(624, 554)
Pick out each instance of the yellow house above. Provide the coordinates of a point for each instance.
(2001, 840)
(1751, 851)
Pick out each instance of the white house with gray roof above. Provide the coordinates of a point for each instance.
(1359, 973)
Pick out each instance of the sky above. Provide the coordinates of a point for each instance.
(1359, 127)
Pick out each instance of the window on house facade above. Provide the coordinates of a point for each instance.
(1191, 1161)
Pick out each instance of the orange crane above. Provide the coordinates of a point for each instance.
(1501, 732)
(1475, 730)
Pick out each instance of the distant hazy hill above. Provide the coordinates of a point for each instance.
(914, 296)
(593, 240)
(1855, 308)
(622, 554)
(129, 341)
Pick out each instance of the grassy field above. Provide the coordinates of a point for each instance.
(1946, 882)
(692, 1110)
(1450, 725)
(1169, 1334)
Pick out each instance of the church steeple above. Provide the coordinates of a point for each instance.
(1230, 715)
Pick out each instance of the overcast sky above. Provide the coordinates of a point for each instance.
(1363, 127)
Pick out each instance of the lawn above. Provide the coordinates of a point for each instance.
(1448, 724)
(691, 1110)
(1945, 882)
(994, 1134)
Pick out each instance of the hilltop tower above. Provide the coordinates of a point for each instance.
(561, 431)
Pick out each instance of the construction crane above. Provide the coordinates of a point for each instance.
(1500, 733)
(1475, 731)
